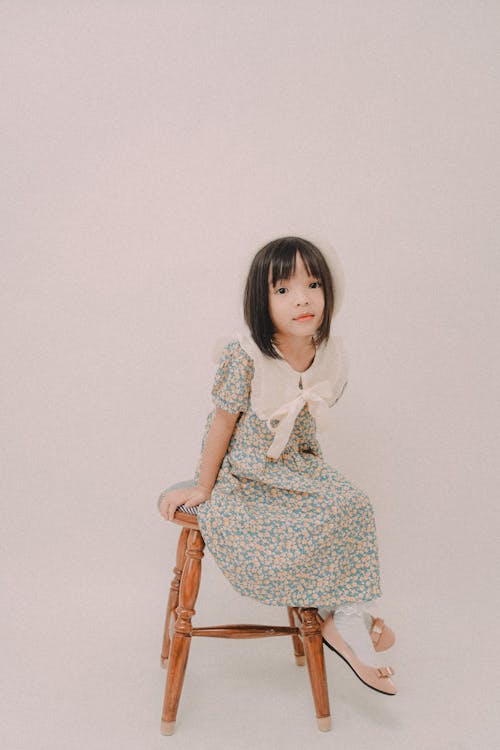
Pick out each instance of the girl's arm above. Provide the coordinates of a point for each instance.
(216, 444)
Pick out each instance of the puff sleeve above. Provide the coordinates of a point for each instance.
(233, 378)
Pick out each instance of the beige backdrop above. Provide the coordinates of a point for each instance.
(149, 149)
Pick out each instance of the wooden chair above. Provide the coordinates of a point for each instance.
(304, 628)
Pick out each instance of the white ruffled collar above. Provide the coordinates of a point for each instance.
(276, 395)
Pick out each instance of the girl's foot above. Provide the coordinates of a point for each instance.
(349, 622)
(377, 678)
(381, 634)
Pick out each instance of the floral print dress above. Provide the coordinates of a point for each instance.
(284, 526)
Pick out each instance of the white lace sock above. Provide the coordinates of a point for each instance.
(369, 612)
(351, 623)
(368, 620)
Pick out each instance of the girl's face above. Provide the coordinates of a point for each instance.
(296, 304)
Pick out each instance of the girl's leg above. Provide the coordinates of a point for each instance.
(369, 609)
(353, 622)
(323, 612)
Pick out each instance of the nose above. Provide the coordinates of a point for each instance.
(301, 297)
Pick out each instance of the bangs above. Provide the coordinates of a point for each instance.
(282, 264)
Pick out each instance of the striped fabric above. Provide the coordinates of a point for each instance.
(192, 511)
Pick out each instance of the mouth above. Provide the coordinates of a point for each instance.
(306, 316)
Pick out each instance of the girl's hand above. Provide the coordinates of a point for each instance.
(188, 496)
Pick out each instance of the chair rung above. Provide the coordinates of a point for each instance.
(244, 631)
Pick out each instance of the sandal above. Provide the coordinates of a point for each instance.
(381, 634)
(376, 678)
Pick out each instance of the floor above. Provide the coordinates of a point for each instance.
(82, 669)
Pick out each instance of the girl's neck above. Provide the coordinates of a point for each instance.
(295, 348)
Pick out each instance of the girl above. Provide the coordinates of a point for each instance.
(283, 525)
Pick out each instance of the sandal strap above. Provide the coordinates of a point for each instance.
(377, 629)
(385, 671)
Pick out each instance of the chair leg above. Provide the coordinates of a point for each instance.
(313, 645)
(298, 648)
(173, 597)
(181, 641)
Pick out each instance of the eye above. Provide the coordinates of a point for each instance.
(315, 284)
(279, 289)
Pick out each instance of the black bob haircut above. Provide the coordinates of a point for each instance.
(279, 256)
